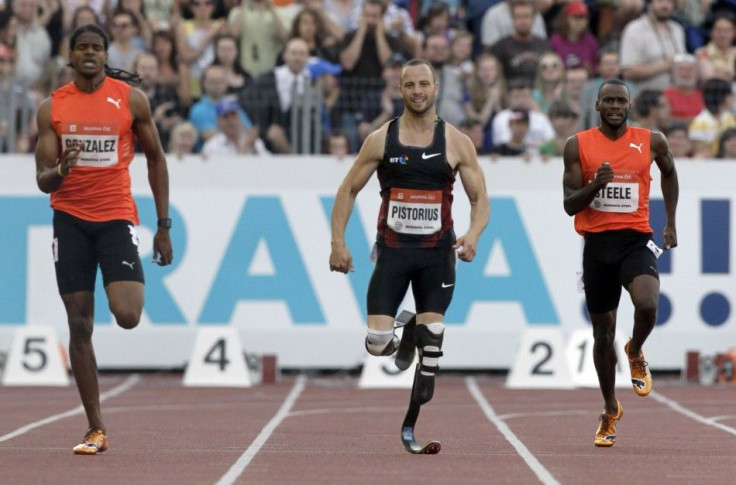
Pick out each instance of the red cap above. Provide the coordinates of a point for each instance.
(576, 9)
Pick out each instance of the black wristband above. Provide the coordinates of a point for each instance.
(164, 223)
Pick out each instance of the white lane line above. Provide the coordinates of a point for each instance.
(127, 384)
(237, 469)
(542, 473)
(675, 406)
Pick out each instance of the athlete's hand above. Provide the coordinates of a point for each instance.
(465, 247)
(341, 260)
(604, 174)
(163, 254)
(70, 157)
(670, 237)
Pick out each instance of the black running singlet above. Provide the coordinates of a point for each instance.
(416, 192)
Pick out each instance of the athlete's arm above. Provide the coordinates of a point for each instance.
(577, 195)
(158, 175)
(365, 164)
(48, 177)
(670, 186)
(474, 183)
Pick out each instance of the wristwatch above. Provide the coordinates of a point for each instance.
(164, 223)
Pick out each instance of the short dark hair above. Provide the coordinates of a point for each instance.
(421, 62)
(646, 101)
(93, 28)
(615, 82)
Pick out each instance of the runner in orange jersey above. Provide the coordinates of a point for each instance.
(606, 187)
(87, 132)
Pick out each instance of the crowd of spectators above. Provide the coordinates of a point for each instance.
(517, 76)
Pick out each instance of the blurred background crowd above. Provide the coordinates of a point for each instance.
(316, 76)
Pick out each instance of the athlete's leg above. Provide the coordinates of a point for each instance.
(604, 357)
(80, 314)
(126, 302)
(644, 291)
(430, 332)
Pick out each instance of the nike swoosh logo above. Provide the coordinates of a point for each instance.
(447, 286)
(427, 157)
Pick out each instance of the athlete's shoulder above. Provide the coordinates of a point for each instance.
(68, 89)
(115, 86)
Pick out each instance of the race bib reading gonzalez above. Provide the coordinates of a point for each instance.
(621, 195)
(415, 211)
(99, 143)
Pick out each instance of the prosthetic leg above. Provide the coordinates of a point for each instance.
(430, 345)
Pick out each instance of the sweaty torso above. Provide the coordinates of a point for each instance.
(416, 191)
(98, 188)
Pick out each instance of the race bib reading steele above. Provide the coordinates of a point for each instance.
(415, 211)
(621, 195)
(99, 143)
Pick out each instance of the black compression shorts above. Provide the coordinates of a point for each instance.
(79, 246)
(611, 260)
(431, 272)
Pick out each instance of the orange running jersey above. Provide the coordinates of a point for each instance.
(98, 188)
(624, 202)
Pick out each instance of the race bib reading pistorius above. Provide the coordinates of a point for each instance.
(621, 195)
(415, 211)
(99, 143)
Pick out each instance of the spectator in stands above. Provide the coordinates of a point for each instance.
(678, 135)
(727, 145)
(166, 107)
(32, 42)
(474, 130)
(162, 14)
(261, 32)
(363, 54)
(227, 55)
(329, 19)
(203, 114)
(649, 45)
(398, 24)
(714, 119)
(520, 99)
(83, 15)
(233, 138)
(717, 59)
(520, 51)
(609, 67)
(438, 20)
(183, 139)
(517, 144)
(449, 101)
(497, 22)
(572, 39)
(309, 26)
(144, 34)
(651, 110)
(461, 51)
(16, 119)
(485, 95)
(122, 53)
(342, 11)
(549, 85)
(684, 96)
(575, 80)
(194, 41)
(337, 144)
(565, 122)
(392, 104)
(276, 93)
(172, 71)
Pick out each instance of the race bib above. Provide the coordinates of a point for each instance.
(415, 211)
(99, 142)
(621, 195)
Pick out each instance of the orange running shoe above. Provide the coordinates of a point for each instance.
(94, 442)
(606, 434)
(641, 378)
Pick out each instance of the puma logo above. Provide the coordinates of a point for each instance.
(116, 102)
(638, 147)
(130, 265)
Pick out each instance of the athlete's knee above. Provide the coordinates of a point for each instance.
(603, 336)
(127, 319)
(429, 342)
(646, 308)
(80, 329)
(380, 342)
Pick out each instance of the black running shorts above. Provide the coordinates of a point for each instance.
(431, 272)
(79, 246)
(611, 260)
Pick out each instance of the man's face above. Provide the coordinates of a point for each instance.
(613, 104)
(437, 51)
(230, 124)
(722, 32)
(147, 68)
(25, 10)
(372, 15)
(522, 18)
(88, 56)
(296, 55)
(520, 98)
(215, 82)
(685, 75)
(122, 27)
(680, 144)
(661, 9)
(609, 65)
(418, 88)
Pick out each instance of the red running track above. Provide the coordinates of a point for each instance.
(323, 430)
